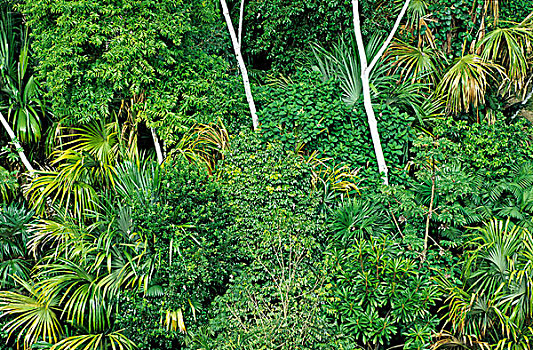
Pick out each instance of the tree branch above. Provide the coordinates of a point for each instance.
(389, 38)
(241, 16)
(359, 36)
(242, 66)
(19, 148)
(157, 146)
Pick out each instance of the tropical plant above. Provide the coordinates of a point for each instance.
(466, 82)
(416, 63)
(377, 293)
(491, 307)
(510, 47)
(25, 108)
(356, 219)
(204, 143)
(8, 184)
(342, 63)
(85, 163)
(70, 299)
(15, 260)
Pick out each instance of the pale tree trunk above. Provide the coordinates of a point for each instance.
(366, 70)
(241, 18)
(157, 146)
(17, 145)
(237, 48)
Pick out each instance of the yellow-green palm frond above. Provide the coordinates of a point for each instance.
(70, 186)
(55, 234)
(99, 139)
(205, 143)
(85, 301)
(33, 315)
(509, 48)
(465, 83)
(416, 63)
(114, 341)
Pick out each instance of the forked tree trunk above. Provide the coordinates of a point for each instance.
(19, 148)
(366, 70)
(240, 61)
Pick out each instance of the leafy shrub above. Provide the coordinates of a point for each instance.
(272, 297)
(492, 149)
(187, 259)
(202, 89)
(275, 302)
(263, 182)
(379, 294)
(308, 114)
(118, 50)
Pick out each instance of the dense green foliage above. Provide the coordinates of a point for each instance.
(308, 115)
(155, 218)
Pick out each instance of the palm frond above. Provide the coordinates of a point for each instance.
(33, 316)
(465, 83)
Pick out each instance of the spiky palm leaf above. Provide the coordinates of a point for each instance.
(138, 182)
(101, 341)
(99, 139)
(25, 108)
(71, 186)
(416, 63)
(84, 300)
(342, 63)
(204, 143)
(494, 303)
(356, 219)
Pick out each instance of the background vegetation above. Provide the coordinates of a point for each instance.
(280, 238)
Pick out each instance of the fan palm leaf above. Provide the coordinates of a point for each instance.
(507, 47)
(416, 63)
(33, 315)
(342, 63)
(98, 138)
(466, 82)
(101, 341)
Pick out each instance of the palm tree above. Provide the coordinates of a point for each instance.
(492, 307)
(508, 46)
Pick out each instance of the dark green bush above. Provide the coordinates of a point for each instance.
(278, 34)
(272, 298)
(187, 258)
(309, 114)
(380, 294)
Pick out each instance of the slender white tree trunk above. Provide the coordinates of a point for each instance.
(19, 148)
(366, 70)
(157, 146)
(240, 61)
(241, 18)
(374, 132)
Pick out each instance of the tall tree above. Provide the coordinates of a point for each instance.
(237, 42)
(366, 70)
